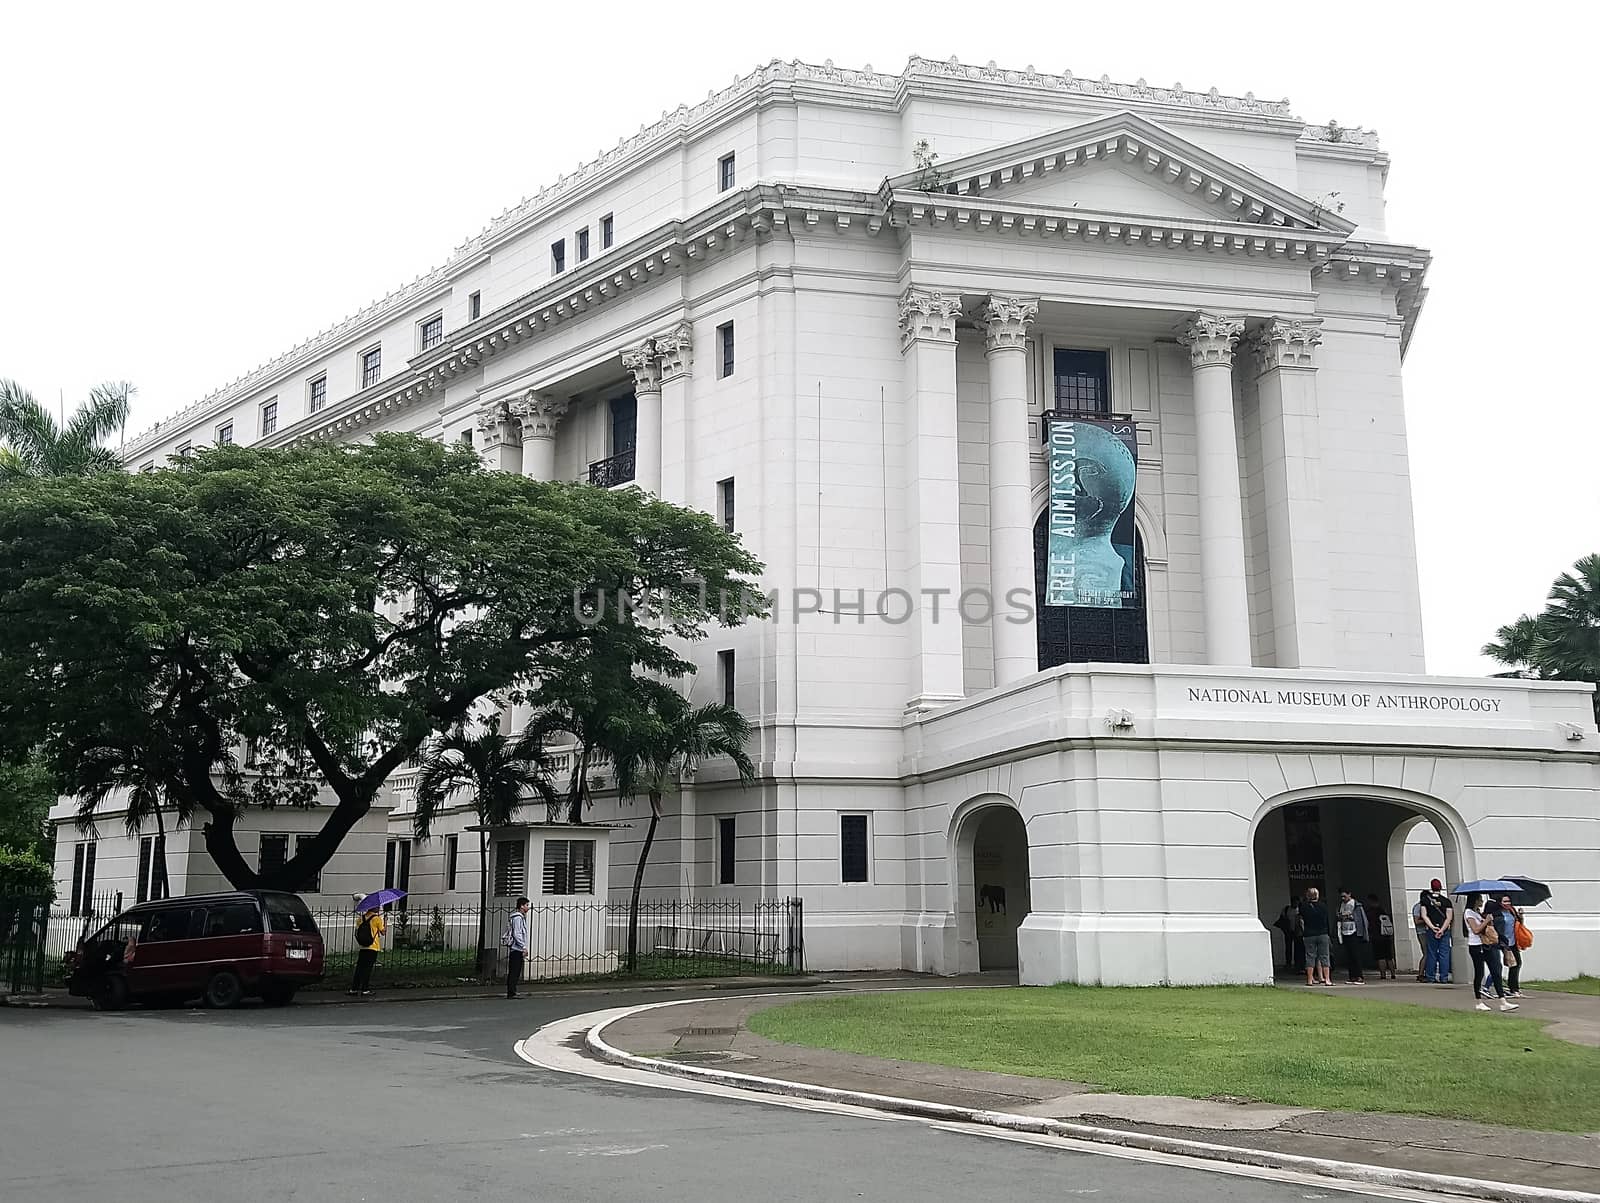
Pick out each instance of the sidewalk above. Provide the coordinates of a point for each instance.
(1574, 1017)
(713, 1034)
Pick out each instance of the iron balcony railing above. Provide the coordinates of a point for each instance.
(618, 470)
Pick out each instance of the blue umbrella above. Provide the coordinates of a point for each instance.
(1486, 887)
(382, 898)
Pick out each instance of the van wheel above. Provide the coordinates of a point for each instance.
(111, 994)
(224, 990)
(278, 996)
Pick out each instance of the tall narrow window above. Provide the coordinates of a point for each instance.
(147, 850)
(274, 852)
(1082, 382)
(224, 438)
(474, 306)
(452, 852)
(624, 423)
(314, 884)
(510, 868)
(608, 231)
(269, 417)
(725, 349)
(725, 172)
(726, 861)
(432, 332)
(580, 244)
(558, 256)
(854, 861)
(371, 367)
(317, 393)
(725, 503)
(725, 668)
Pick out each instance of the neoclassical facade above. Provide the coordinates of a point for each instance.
(843, 311)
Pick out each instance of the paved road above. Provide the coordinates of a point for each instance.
(423, 1101)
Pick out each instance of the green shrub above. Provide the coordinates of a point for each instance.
(25, 873)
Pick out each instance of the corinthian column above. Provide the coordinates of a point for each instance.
(676, 351)
(1016, 648)
(537, 415)
(497, 441)
(1211, 340)
(645, 367)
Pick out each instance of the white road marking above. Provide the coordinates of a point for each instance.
(614, 1150)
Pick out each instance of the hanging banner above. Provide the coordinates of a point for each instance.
(1089, 548)
(1302, 841)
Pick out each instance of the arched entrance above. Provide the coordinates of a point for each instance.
(992, 894)
(1371, 840)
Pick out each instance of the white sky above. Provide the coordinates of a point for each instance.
(194, 188)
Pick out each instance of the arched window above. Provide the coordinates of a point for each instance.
(1079, 634)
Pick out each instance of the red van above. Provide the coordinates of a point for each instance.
(217, 947)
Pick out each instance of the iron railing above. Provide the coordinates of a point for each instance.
(37, 933)
(618, 470)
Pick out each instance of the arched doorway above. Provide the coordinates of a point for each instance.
(1080, 634)
(1372, 841)
(992, 892)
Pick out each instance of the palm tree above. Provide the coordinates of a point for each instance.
(1562, 643)
(109, 771)
(499, 772)
(35, 445)
(670, 744)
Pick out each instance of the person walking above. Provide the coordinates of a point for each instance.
(1439, 915)
(515, 941)
(1517, 943)
(1314, 930)
(369, 943)
(1483, 946)
(1353, 933)
(1381, 924)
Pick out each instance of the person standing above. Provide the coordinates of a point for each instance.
(1381, 925)
(1517, 940)
(1483, 945)
(1420, 922)
(1314, 930)
(1352, 934)
(1294, 949)
(1439, 915)
(515, 940)
(369, 943)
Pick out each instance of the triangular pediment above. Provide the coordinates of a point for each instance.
(1121, 164)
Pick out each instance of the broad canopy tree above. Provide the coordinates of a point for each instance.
(277, 627)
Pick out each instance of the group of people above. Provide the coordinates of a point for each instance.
(1497, 940)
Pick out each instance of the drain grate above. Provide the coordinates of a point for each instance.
(708, 1031)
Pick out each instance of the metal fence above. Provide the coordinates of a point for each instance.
(36, 933)
(435, 943)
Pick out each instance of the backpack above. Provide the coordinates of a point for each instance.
(364, 933)
(1524, 936)
(1385, 925)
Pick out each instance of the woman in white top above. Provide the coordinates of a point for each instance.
(1485, 957)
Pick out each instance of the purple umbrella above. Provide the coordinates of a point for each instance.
(381, 899)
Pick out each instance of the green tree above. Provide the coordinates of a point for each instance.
(36, 445)
(330, 607)
(497, 773)
(27, 792)
(1562, 642)
(658, 753)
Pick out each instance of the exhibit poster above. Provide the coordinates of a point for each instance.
(1090, 535)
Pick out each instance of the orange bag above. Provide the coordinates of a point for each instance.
(1524, 936)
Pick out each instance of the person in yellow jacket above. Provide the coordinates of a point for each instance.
(369, 943)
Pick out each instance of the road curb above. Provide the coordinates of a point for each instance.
(1346, 1171)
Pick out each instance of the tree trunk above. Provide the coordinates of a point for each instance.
(638, 882)
(224, 852)
(483, 899)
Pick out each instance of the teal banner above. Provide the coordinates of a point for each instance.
(1090, 547)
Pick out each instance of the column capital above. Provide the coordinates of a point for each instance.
(1008, 319)
(642, 362)
(536, 414)
(491, 421)
(927, 315)
(676, 351)
(1286, 343)
(1211, 338)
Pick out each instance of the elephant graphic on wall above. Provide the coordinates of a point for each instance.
(994, 897)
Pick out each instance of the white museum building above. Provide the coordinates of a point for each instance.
(952, 351)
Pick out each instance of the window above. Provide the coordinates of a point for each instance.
(225, 434)
(558, 256)
(510, 868)
(725, 173)
(725, 503)
(287, 913)
(233, 919)
(568, 867)
(83, 878)
(452, 853)
(725, 858)
(269, 417)
(474, 306)
(580, 244)
(149, 886)
(148, 466)
(168, 924)
(317, 394)
(726, 670)
(853, 860)
(465, 438)
(432, 332)
(624, 423)
(607, 231)
(183, 449)
(1082, 382)
(397, 868)
(725, 349)
(273, 853)
(371, 367)
(314, 884)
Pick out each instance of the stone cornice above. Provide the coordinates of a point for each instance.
(1387, 265)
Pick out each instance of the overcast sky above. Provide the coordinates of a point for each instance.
(194, 188)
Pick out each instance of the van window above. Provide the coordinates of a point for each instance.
(287, 913)
(166, 925)
(233, 919)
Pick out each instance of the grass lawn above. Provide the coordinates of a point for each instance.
(1278, 1046)
(1576, 985)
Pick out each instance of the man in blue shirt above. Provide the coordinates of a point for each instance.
(515, 940)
